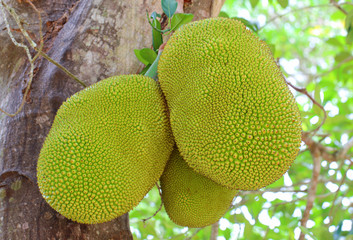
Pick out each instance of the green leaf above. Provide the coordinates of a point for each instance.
(152, 71)
(337, 233)
(145, 69)
(252, 27)
(283, 3)
(317, 110)
(307, 231)
(145, 55)
(334, 42)
(349, 27)
(349, 20)
(180, 19)
(154, 15)
(227, 233)
(157, 38)
(223, 14)
(169, 7)
(254, 3)
(342, 56)
(349, 38)
(276, 184)
(272, 47)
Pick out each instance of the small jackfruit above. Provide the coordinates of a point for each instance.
(191, 199)
(232, 115)
(107, 147)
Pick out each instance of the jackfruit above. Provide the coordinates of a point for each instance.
(107, 148)
(191, 199)
(232, 114)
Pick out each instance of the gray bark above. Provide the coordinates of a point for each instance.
(94, 39)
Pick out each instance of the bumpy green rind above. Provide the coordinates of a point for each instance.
(232, 115)
(107, 147)
(191, 199)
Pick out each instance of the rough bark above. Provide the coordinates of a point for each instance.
(94, 39)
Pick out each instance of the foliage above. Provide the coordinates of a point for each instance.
(175, 20)
(312, 40)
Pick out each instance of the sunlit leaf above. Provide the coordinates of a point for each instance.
(334, 41)
(307, 231)
(254, 3)
(223, 14)
(283, 3)
(180, 19)
(157, 38)
(342, 56)
(251, 26)
(337, 233)
(145, 55)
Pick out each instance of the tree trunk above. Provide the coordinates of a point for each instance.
(94, 39)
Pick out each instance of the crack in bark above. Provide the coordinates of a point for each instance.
(13, 173)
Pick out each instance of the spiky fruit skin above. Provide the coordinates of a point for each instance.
(107, 147)
(191, 199)
(232, 115)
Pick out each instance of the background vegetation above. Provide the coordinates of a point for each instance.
(312, 40)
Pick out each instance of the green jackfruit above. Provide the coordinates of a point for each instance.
(107, 147)
(232, 115)
(191, 199)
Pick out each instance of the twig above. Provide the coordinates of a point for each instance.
(305, 92)
(160, 207)
(334, 3)
(29, 56)
(344, 150)
(312, 190)
(330, 215)
(62, 68)
(346, 60)
(268, 227)
(14, 15)
(40, 29)
(327, 153)
(34, 45)
(19, 24)
(292, 11)
(194, 234)
(346, 3)
(298, 199)
(271, 191)
(214, 231)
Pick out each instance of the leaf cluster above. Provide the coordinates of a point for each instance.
(148, 56)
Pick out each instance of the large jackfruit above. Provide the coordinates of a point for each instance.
(191, 199)
(232, 115)
(107, 147)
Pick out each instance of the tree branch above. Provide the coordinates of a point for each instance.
(331, 215)
(160, 207)
(334, 3)
(214, 231)
(326, 152)
(305, 92)
(312, 190)
(31, 59)
(344, 150)
(292, 11)
(346, 60)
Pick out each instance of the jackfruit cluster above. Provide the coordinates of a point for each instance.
(107, 148)
(234, 121)
(191, 199)
(232, 115)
